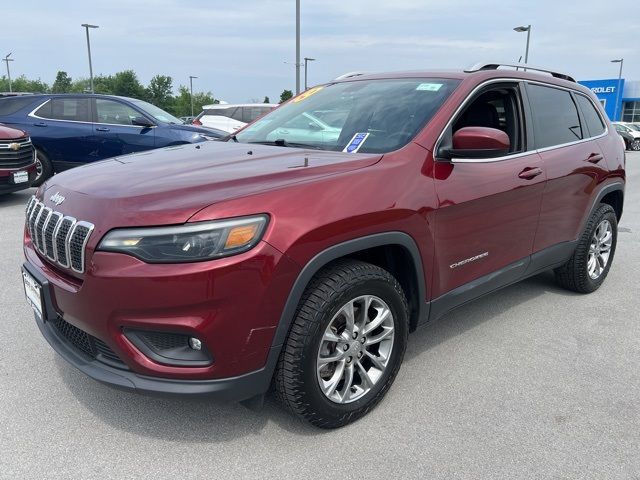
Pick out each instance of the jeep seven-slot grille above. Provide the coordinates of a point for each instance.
(61, 239)
(16, 157)
(87, 344)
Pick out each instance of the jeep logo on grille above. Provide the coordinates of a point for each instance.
(57, 198)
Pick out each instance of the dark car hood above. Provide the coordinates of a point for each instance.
(196, 129)
(169, 185)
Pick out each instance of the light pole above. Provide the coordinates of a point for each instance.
(621, 62)
(297, 47)
(191, 77)
(528, 30)
(87, 26)
(306, 61)
(7, 60)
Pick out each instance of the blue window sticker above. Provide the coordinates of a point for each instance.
(356, 142)
(430, 87)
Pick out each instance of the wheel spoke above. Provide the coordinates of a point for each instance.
(383, 315)
(348, 382)
(364, 376)
(364, 313)
(330, 386)
(335, 357)
(349, 317)
(377, 361)
(386, 332)
(330, 336)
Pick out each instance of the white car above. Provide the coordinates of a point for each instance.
(631, 128)
(230, 118)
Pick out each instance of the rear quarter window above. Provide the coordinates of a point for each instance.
(591, 116)
(555, 116)
(9, 106)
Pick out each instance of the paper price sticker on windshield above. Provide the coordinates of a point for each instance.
(356, 142)
(306, 94)
(429, 87)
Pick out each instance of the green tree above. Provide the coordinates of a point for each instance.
(23, 84)
(285, 95)
(126, 84)
(160, 91)
(266, 100)
(62, 84)
(182, 102)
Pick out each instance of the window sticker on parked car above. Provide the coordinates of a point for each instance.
(306, 94)
(355, 143)
(430, 87)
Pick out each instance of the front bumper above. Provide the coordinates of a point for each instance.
(6, 183)
(225, 324)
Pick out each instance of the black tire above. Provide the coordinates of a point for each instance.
(574, 274)
(296, 382)
(44, 168)
(635, 145)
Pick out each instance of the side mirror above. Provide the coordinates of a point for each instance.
(478, 142)
(141, 122)
(314, 126)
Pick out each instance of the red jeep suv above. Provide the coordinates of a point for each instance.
(303, 250)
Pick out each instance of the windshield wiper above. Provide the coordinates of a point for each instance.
(281, 142)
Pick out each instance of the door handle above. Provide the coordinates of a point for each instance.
(594, 158)
(40, 124)
(102, 129)
(530, 172)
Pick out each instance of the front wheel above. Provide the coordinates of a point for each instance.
(635, 145)
(345, 346)
(44, 169)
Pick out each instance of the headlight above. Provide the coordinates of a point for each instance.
(190, 242)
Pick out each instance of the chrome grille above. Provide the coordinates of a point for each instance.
(22, 157)
(60, 238)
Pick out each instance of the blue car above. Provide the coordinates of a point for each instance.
(71, 130)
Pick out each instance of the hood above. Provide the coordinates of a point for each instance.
(169, 185)
(197, 129)
(8, 133)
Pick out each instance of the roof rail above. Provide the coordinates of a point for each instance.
(494, 66)
(349, 75)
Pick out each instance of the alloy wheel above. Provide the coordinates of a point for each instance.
(355, 349)
(600, 249)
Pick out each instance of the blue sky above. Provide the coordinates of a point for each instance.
(238, 49)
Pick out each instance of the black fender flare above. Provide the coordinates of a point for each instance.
(607, 189)
(341, 250)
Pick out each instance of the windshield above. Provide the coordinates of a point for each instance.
(634, 127)
(158, 113)
(369, 116)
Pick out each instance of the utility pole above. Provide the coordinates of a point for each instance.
(7, 60)
(191, 77)
(306, 61)
(297, 47)
(87, 26)
(621, 62)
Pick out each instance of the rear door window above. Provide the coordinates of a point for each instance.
(590, 115)
(69, 109)
(555, 116)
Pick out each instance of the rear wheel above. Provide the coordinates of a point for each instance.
(587, 269)
(44, 169)
(345, 346)
(635, 145)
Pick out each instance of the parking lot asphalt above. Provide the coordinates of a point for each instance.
(531, 382)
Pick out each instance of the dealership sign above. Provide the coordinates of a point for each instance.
(607, 92)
